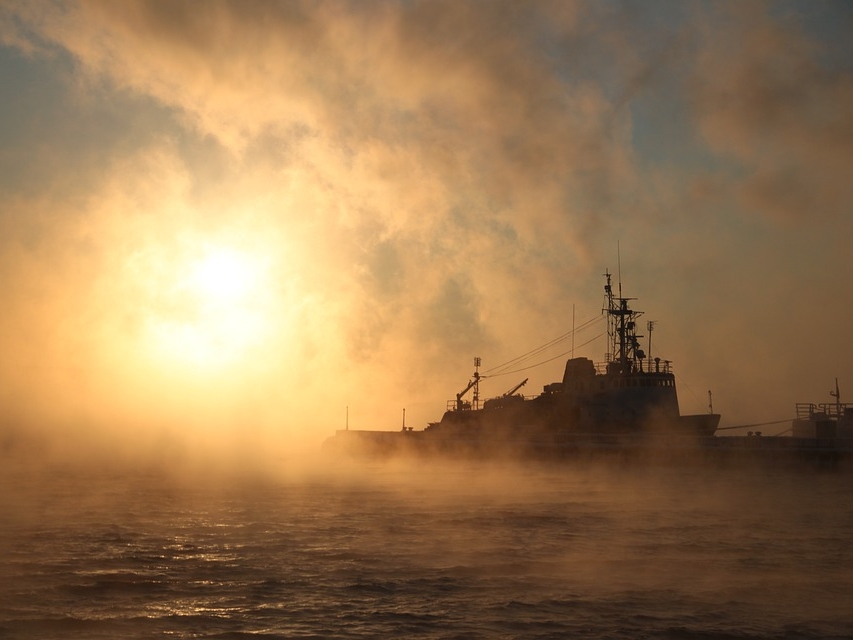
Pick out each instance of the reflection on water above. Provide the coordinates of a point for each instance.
(465, 551)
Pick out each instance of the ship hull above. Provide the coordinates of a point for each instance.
(645, 449)
(477, 435)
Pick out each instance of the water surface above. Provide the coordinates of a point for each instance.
(463, 551)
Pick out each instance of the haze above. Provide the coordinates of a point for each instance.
(231, 223)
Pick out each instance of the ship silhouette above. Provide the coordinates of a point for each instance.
(628, 401)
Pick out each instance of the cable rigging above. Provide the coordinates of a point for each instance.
(502, 369)
(538, 364)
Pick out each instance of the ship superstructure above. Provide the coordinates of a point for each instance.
(824, 421)
(629, 393)
(628, 398)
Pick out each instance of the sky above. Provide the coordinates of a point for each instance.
(253, 221)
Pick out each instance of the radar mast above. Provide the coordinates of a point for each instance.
(625, 354)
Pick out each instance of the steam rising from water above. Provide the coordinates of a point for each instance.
(432, 550)
(416, 183)
(227, 226)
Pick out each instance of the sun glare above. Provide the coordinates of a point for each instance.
(224, 275)
(218, 309)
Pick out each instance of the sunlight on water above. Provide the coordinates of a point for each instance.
(471, 551)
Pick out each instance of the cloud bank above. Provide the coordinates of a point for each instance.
(417, 183)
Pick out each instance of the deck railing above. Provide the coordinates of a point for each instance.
(662, 366)
(830, 410)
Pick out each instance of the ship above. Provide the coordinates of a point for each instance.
(625, 403)
(825, 421)
(819, 436)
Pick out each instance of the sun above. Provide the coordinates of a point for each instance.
(216, 309)
(224, 275)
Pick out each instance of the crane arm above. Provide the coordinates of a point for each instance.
(515, 388)
(471, 384)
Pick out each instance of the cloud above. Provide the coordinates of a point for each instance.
(427, 181)
(441, 90)
(762, 98)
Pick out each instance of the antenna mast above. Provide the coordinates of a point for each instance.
(477, 363)
(573, 331)
(619, 267)
(650, 325)
(625, 353)
(837, 395)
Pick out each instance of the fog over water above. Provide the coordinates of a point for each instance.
(229, 228)
(466, 550)
(227, 216)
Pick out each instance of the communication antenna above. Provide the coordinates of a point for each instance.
(573, 331)
(477, 362)
(710, 402)
(837, 395)
(619, 267)
(650, 325)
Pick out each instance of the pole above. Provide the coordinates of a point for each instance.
(573, 331)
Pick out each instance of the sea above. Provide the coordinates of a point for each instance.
(423, 549)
